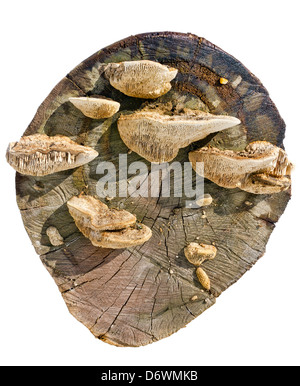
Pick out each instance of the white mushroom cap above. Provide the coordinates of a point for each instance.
(104, 227)
(96, 108)
(124, 238)
(90, 212)
(231, 169)
(39, 154)
(141, 78)
(158, 137)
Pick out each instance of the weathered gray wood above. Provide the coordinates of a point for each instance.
(139, 295)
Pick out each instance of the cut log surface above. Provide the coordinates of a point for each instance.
(139, 295)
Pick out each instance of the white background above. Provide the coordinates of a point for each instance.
(254, 322)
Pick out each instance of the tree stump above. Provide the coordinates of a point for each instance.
(139, 295)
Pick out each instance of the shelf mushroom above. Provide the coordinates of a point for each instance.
(39, 154)
(158, 137)
(262, 168)
(104, 227)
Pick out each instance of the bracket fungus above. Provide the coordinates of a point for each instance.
(141, 78)
(196, 253)
(90, 212)
(262, 168)
(39, 154)
(96, 108)
(124, 238)
(158, 137)
(106, 228)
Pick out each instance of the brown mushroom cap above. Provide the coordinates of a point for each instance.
(96, 108)
(158, 137)
(141, 78)
(104, 227)
(196, 253)
(231, 169)
(124, 238)
(90, 212)
(39, 154)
